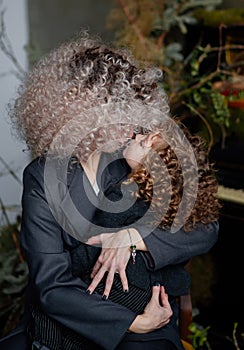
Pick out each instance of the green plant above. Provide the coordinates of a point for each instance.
(13, 268)
(201, 339)
(199, 336)
(13, 277)
(156, 33)
(13, 280)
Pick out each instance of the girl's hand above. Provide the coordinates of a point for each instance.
(157, 313)
(114, 257)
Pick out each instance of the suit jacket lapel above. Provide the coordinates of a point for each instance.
(79, 202)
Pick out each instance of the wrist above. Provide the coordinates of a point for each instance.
(140, 325)
(137, 240)
(136, 326)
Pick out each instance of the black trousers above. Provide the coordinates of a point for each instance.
(18, 342)
(14, 342)
(153, 345)
(161, 344)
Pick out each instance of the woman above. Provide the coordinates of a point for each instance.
(143, 154)
(81, 98)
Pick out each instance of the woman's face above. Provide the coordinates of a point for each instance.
(139, 147)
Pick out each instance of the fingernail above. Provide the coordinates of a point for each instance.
(125, 290)
(104, 297)
(88, 292)
(156, 283)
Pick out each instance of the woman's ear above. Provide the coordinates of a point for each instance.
(148, 143)
(150, 140)
(154, 139)
(157, 141)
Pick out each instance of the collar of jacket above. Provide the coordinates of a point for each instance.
(75, 201)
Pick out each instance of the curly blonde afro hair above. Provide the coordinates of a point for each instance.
(83, 94)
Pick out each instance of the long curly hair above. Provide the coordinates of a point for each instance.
(169, 170)
(83, 94)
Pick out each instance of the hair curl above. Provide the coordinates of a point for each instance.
(162, 165)
(83, 94)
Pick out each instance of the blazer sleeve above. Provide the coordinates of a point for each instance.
(168, 248)
(61, 295)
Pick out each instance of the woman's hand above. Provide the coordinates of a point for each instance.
(157, 313)
(114, 257)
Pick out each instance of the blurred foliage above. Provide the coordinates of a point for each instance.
(200, 338)
(158, 33)
(13, 278)
(230, 16)
(13, 268)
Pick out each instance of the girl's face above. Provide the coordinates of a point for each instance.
(139, 147)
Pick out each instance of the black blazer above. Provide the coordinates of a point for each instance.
(56, 217)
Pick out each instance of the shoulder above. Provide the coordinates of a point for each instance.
(36, 166)
(34, 172)
(62, 169)
(212, 227)
(207, 234)
(212, 230)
